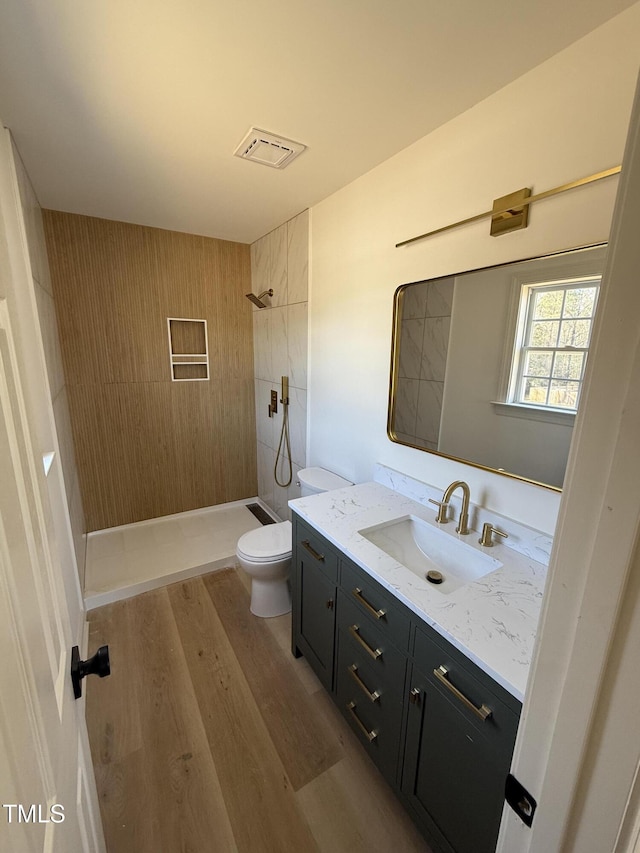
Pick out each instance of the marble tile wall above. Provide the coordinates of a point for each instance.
(43, 290)
(280, 260)
(424, 338)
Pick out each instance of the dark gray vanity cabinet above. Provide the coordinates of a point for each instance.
(461, 727)
(438, 728)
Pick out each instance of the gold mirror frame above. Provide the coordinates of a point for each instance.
(395, 358)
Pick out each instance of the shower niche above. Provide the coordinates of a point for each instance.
(188, 349)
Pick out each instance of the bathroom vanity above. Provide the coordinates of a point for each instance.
(431, 681)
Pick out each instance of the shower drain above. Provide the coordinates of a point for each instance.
(262, 516)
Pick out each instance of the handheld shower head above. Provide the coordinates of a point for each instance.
(257, 300)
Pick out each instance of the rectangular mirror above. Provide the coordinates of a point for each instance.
(487, 365)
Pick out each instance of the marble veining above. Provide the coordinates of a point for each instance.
(279, 338)
(277, 240)
(429, 410)
(298, 257)
(411, 337)
(493, 621)
(434, 348)
(407, 406)
(297, 335)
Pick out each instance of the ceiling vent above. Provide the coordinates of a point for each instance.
(268, 149)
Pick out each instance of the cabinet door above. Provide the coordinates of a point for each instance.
(316, 596)
(455, 767)
(314, 585)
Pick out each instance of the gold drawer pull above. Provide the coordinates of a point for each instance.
(370, 735)
(354, 630)
(379, 614)
(483, 712)
(313, 551)
(353, 672)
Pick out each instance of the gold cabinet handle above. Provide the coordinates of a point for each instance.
(353, 672)
(313, 551)
(483, 712)
(379, 614)
(370, 735)
(354, 630)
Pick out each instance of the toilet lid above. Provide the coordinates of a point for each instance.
(271, 542)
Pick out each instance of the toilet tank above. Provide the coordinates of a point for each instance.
(315, 480)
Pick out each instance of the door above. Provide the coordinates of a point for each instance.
(48, 797)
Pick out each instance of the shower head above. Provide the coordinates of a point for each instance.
(257, 300)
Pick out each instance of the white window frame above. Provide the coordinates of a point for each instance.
(564, 269)
(523, 329)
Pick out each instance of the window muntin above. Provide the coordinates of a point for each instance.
(554, 332)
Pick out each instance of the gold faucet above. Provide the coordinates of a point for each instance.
(463, 521)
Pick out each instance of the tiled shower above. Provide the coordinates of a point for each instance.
(280, 260)
(424, 336)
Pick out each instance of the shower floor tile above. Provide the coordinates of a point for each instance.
(125, 561)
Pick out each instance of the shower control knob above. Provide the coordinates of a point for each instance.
(97, 665)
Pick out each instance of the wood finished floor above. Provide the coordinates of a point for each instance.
(209, 737)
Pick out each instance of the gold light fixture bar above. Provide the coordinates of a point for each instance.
(516, 210)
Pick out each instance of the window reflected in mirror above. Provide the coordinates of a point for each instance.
(488, 365)
(552, 338)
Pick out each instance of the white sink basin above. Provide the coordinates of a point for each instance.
(422, 548)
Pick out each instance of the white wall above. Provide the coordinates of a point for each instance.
(564, 120)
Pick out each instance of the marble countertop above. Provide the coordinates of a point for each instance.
(493, 621)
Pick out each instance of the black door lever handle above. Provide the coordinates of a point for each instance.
(97, 665)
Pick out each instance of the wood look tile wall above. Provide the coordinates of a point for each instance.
(147, 446)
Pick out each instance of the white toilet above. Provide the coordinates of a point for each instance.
(265, 553)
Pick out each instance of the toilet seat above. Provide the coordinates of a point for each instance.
(266, 544)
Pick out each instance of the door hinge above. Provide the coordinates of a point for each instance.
(520, 800)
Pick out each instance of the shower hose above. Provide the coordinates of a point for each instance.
(284, 439)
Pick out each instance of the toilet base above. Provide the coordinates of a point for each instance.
(270, 598)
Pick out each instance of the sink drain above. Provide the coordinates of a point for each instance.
(435, 577)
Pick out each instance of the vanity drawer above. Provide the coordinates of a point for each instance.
(368, 647)
(373, 709)
(376, 604)
(366, 681)
(314, 549)
(482, 702)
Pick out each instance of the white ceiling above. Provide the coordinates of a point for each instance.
(132, 110)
